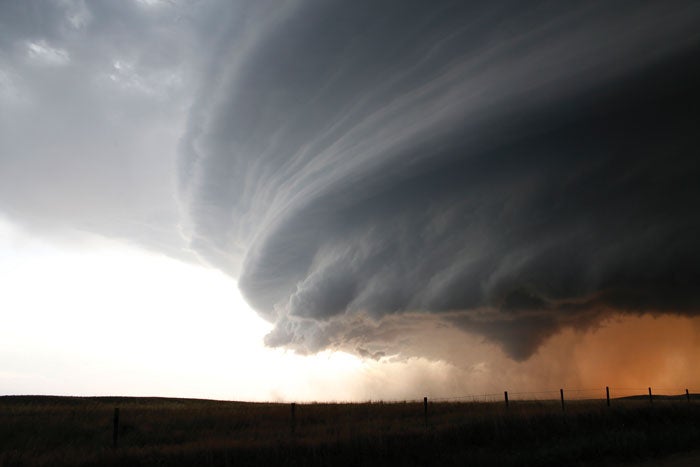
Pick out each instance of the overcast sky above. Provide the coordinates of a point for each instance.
(436, 193)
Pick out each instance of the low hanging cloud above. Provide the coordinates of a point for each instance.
(369, 170)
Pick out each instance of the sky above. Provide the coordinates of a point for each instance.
(330, 200)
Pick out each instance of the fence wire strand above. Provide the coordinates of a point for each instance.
(570, 394)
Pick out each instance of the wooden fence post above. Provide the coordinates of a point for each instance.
(561, 393)
(651, 399)
(293, 425)
(505, 394)
(115, 432)
(425, 411)
(607, 395)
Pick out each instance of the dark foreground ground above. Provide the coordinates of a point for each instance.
(60, 431)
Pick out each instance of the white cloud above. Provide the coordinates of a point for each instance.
(157, 83)
(43, 53)
(151, 3)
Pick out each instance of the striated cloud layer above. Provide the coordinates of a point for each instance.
(370, 170)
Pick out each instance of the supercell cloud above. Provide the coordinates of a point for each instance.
(506, 170)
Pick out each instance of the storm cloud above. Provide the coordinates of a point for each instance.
(92, 104)
(507, 170)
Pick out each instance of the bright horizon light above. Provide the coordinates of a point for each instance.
(83, 315)
(100, 317)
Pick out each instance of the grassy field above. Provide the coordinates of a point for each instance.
(56, 431)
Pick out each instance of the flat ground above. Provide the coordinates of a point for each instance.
(56, 431)
(686, 459)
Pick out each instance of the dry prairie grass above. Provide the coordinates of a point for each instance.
(55, 431)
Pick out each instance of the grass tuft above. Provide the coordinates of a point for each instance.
(61, 431)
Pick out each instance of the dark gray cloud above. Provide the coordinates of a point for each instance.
(506, 169)
(370, 170)
(92, 103)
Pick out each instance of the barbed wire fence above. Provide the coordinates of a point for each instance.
(566, 397)
(571, 394)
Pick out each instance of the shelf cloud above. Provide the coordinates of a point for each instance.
(510, 170)
(376, 175)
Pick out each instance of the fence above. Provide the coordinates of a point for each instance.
(561, 400)
(590, 394)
